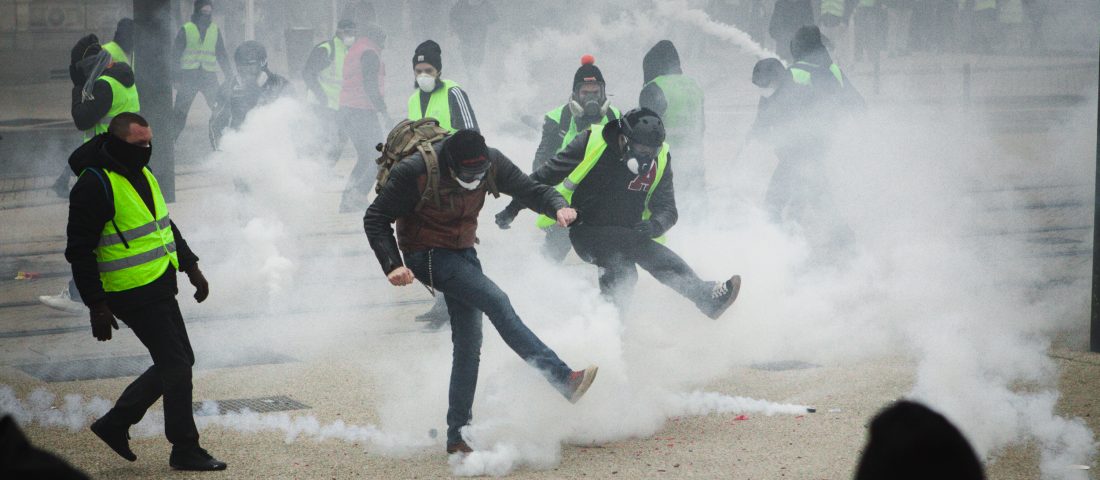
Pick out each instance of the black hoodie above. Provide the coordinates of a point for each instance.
(662, 59)
(90, 209)
(86, 114)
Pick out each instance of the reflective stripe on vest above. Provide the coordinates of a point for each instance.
(832, 7)
(352, 91)
(123, 99)
(684, 111)
(332, 77)
(200, 52)
(571, 133)
(801, 73)
(439, 105)
(592, 153)
(118, 55)
(142, 247)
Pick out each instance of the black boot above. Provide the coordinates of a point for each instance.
(116, 437)
(195, 459)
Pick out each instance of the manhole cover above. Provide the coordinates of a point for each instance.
(783, 365)
(280, 403)
(132, 366)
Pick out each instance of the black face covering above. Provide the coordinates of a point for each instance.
(133, 157)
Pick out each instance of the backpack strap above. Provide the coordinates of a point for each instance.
(431, 187)
(110, 194)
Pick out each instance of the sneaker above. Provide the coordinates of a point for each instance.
(722, 296)
(194, 459)
(116, 438)
(62, 302)
(460, 447)
(578, 382)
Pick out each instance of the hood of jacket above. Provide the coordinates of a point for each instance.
(662, 59)
(96, 153)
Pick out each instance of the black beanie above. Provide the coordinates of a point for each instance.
(467, 153)
(588, 72)
(430, 53)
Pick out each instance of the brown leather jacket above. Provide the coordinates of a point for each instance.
(451, 225)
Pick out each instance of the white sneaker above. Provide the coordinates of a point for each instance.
(62, 302)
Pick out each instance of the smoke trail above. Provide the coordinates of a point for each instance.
(680, 10)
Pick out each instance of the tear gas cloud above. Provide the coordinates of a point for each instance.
(925, 281)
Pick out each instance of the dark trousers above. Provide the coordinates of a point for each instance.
(618, 251)
(468, 292)
(160, 328)
(557, 244)
(192, 82)
(364, 130)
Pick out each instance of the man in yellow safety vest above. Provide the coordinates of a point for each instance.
(324, 75)
(125, 250)
(199, 55)
(619, 179)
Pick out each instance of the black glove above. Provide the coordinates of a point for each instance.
(647, 228)
(202, 288)
(505, 217)
(102, 321)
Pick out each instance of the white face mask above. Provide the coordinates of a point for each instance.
(469, 185)
(425, 82)
(348, 40)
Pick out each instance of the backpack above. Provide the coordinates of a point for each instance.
(412, 136)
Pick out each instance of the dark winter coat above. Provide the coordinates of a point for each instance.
(90, 209)
(451, 225)
(87, 113)
(235, 99)
(610, 195)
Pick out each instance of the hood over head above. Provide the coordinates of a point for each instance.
(662, 59)
(124, 34)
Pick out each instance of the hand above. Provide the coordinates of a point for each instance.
(102, 321)
(400, 276)
(647, 228)
(504, 218)
(202, 287)
(566, 216)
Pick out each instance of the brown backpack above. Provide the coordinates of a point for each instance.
(407, 138)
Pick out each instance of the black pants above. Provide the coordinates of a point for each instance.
(160, 328)
(364, 130)
(191, 83)
(618, 250)
(557, 244)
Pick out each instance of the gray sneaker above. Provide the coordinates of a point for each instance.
(722, 296)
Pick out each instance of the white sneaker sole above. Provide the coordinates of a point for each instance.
(586, 381)
(55, 303)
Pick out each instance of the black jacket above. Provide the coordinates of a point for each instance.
(86, 114)
(236, 98)
(90, 210)
(609, 195)
(553, 133)
(662, 59)
(401, 194)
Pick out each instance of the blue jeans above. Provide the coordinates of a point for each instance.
(468, 292)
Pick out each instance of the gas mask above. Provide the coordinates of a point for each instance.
(425, 82)
(639, 158)
(589, 104)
